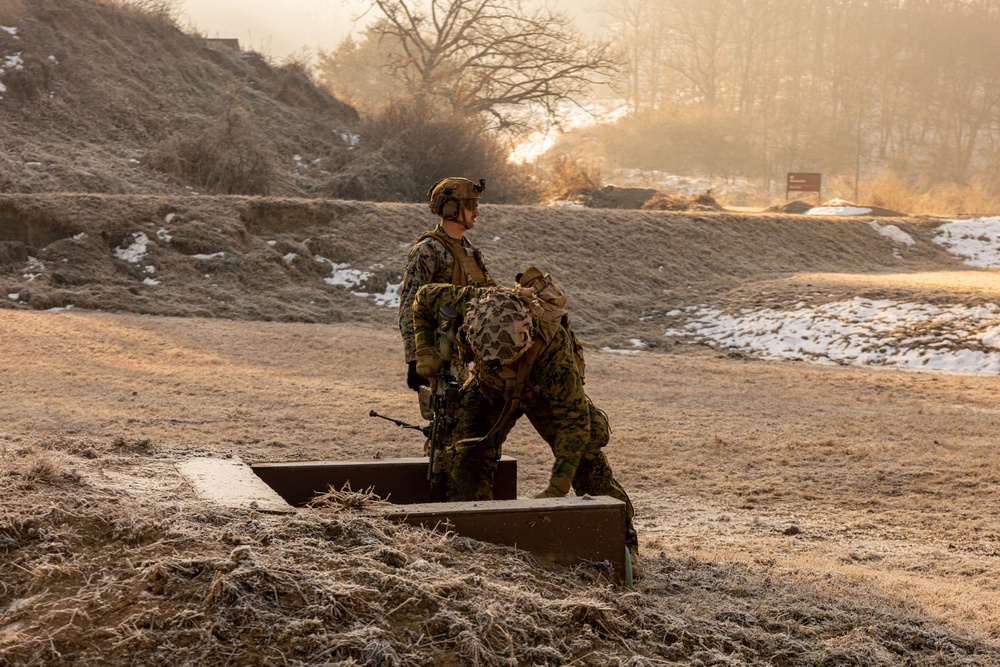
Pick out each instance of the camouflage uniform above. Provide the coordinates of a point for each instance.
(554, 402)
(429, 261)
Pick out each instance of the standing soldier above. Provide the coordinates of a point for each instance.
(443, 255)
(526, 363)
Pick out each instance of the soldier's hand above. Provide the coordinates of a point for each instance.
(414, 380)
(428, 362)
(557, 488)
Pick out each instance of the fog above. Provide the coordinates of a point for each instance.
(291, 27)
(276, 29)
(887, 92)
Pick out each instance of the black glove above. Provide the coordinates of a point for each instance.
(414, 380)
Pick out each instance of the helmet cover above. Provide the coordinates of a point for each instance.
(499, 326)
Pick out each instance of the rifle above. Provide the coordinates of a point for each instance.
(443, 405)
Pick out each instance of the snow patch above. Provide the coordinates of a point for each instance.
(136, 250)
(342, 274)
(893, 233)
(838, 210)
(976, 241)
(858, 332)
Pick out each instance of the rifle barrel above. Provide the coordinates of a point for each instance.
(397, 422)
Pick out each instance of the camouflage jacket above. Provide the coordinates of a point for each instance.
(555, 401)
(428, 262)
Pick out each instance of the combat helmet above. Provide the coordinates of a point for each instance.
(499, 326)
(447, 195)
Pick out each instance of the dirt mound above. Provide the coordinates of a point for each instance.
(646, 199)
(796, 206)
(103, 97)
(303, 260)
(612, 196)
(699, 202)
(886, 212)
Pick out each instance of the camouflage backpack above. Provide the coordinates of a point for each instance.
(552, 301)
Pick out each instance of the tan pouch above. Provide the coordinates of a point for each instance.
(424, 397)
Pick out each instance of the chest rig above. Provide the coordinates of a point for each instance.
(469, 268)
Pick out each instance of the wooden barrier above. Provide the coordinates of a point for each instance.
(559, 531)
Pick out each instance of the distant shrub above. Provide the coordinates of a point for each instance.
(565, 177)
(892, 191)
(406, 147)
(916, 195)
(226, 156)
(676, 141)
(166, 9)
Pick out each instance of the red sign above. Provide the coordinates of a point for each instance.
(804, 182)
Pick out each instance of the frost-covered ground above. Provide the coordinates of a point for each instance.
(859, 331)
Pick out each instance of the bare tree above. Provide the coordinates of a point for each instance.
(490, 56)
(702, 46)
(965, 107)
(633, 24)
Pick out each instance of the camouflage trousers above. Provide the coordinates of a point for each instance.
(474, 462)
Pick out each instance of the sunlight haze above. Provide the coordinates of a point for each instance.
(285, 29)
(275, 29)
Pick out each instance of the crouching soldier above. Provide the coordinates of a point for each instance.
(526, 363)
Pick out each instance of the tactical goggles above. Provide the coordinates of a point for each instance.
(471, 203)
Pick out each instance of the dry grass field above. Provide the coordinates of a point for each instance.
(789, 514)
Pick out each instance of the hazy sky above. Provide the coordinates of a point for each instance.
(286, 27)
(277, 29)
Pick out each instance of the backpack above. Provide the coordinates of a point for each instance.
(553, 302)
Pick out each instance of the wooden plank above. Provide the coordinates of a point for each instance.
(231, 483)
